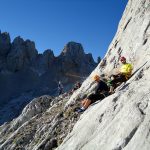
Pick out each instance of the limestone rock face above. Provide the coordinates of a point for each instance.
(73, 56)
(31, 50)
(48, 58)
(5, 47)
(129, 42)
(4, 43)
(121, 121)
(43, 124)
(44, 61)
(72, 50)
(21, 55)
(16, 57)
(23, 70)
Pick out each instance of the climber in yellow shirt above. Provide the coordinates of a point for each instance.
(124, 74)
(126, 68)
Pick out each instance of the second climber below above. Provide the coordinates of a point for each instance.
(101, 92)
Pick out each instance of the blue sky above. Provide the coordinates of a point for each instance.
(53, 23)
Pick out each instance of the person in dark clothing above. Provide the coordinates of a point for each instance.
(101, 92)
(60, 88)
(77, 86)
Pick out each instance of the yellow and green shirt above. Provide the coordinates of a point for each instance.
(126, 69)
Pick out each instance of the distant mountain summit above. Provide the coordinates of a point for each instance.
(23, 70)
(20, 55)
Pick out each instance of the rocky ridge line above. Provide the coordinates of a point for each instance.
(25, 74)
(120, 121)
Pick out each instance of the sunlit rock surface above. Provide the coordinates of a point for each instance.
(119, 122)
(25, 74)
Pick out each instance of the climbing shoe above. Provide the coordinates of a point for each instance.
(80, 110)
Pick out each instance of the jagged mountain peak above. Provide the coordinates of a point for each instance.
(48, 51)
(73, 49)
(120, 121)
(18, 40)
(4, 43)
(25, 74)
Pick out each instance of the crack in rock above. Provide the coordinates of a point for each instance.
(127, 139)
(101, 117)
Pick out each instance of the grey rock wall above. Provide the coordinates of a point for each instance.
(5, 44)
(23, 70)
(121, 121)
